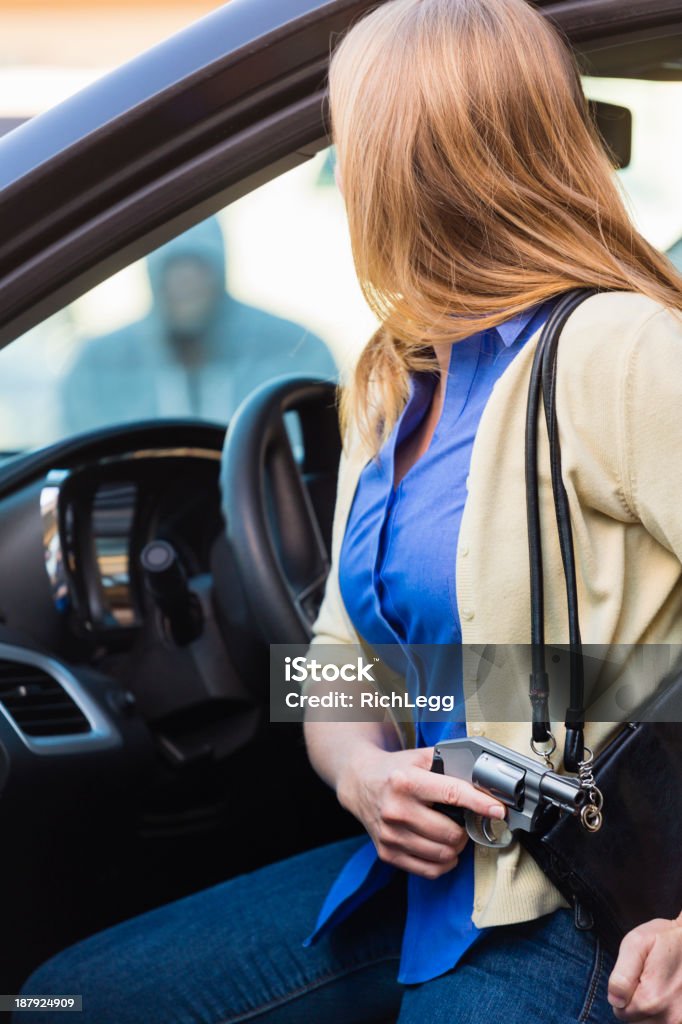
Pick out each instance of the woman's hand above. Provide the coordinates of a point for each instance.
(646, 981)
(391, 793)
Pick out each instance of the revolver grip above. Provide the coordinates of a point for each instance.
(456, 814)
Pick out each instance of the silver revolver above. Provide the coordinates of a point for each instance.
(525, 786)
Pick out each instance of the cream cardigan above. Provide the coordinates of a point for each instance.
(619, 401)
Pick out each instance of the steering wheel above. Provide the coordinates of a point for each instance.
(278, 501)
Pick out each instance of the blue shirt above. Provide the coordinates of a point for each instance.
(397, 579)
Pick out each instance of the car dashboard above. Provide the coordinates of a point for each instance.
(75, 598)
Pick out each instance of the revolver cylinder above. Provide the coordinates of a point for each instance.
(501, 779)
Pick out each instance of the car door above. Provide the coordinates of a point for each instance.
(222, 132)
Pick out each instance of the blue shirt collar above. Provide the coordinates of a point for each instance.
(510, 330)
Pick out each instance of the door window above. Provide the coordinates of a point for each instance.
(264, 288)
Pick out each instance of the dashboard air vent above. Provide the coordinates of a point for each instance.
(38, 702)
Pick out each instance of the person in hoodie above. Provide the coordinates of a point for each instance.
(197, 353)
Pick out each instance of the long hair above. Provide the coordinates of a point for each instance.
(475, 182)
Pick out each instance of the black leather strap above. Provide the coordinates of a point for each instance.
(539, 683)
(543, 381)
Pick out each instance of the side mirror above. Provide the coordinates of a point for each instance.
(615, 127)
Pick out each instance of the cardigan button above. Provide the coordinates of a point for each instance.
(467, 613)
(464, 550)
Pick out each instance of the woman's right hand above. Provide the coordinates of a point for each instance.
(392, 793)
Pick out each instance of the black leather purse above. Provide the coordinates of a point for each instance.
(629, 870)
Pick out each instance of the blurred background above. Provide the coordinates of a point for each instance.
(51, 48)
(266, 287)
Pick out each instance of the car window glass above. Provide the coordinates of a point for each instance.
(264, 288)
(651, 181)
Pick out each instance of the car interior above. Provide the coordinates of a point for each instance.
(152, 547)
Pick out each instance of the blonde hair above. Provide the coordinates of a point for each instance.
(475, 182)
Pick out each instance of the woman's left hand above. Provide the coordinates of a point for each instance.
(646, 981)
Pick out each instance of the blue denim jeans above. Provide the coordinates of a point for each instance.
(233, 953)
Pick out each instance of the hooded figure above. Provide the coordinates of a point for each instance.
(198, 352)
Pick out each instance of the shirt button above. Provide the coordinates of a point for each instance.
(467, 614)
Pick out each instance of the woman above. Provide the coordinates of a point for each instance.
(477, 192)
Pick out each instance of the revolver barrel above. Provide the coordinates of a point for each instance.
(562, 792)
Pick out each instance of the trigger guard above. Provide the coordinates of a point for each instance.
(480, 829)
